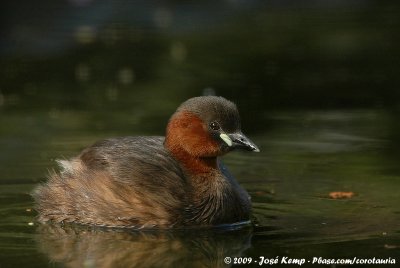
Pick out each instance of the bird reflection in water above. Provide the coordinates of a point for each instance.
(79, 246)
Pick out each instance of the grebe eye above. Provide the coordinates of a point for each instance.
(214, 125)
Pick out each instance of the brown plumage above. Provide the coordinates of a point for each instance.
(155, 182)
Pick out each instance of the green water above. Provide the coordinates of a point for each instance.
(316, 84)
(304, 156)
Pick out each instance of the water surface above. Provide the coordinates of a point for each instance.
(305, 155)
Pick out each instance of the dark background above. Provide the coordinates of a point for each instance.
(82, 54)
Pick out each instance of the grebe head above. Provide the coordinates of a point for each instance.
(207, 126)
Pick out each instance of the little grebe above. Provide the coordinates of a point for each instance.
(155, 182)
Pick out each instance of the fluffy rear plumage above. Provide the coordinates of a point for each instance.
(100, 186)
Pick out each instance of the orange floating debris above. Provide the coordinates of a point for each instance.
(341, 195)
